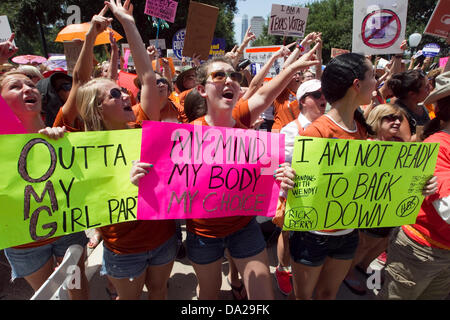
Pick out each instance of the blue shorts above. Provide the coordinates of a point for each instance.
(25, 262)
(247, 242)
(132, 265)
(312, 249)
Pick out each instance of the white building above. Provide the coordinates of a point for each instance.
(257, 24)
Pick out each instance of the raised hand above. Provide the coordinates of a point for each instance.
(121, 12)
(307, 60)
(7, 49)
(99, 22)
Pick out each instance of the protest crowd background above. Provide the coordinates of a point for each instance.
(135, 73)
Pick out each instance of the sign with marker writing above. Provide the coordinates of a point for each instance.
(208, 172)
(163, 9)
(262, 55)
(54, 187)
(345, 184)
(288, 21)
(379, 26)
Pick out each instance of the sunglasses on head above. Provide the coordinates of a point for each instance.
(65, 86)
(221, 76)
(315, 94)
(393, 118)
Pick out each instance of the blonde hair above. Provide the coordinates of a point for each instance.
(89, 99)
(379, 112)
(30, 71)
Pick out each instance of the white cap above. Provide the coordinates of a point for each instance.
(307, 87)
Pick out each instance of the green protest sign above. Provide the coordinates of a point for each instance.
(344, 184)
(55, 187)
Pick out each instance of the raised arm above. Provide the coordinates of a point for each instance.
(144, 70)
(83, 68)
(264, 97)
(7, 49)
(113, 63)
(258, 80)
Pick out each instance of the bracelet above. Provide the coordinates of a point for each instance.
(299, 46)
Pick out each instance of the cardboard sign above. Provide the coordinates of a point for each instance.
(9, 123)
(261, 55)
(5, 29)
(200, 26)
(55, 187)
(439, 24)
(288, 21)
(337, 52)
(208, 172)
(345, 184)
(163, 9)
(72, 50)
(379, 26)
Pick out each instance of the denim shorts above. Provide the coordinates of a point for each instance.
(247, 242)
(132, 265)
(25, 262)
(312, 249)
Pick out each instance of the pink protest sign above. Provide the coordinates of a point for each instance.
(208, 172)
(163, 9)
(9, 123)
(443, 62)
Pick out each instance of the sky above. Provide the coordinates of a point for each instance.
(258, 8)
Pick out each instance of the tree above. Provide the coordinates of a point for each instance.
(26, 17)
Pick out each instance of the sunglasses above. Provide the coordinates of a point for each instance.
(221, 76)
(393, 118)
(163, 81)
(65, 86)
(117, 93)
(315, 94)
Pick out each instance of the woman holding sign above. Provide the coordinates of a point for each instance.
(131, 258)
(35, 261)
(321, 259)
(219, 85)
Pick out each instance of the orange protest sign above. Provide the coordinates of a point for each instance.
(171, 66)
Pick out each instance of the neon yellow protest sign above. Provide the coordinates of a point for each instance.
(344, 184)
(54, 187)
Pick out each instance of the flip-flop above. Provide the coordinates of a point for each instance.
(239, 293)
(351, 284)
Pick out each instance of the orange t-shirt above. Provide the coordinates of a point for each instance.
(60, 121)
(241, 112)
(172, 112)
(218, 227)
(285, 109)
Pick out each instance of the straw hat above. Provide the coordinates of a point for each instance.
(441, 90)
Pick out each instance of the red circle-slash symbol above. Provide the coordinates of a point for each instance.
(389, 17)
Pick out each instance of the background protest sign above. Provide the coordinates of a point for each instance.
(171, 65)
(261, 55)
(208, 172)
(72, 50)
(178, 43)
(200, 26)
(9, 123)
(439, 23)
(379, 26)
(163, 9)
(344, 184)
(5, 29)
(288, 21)
(337, 52)
(55, 187)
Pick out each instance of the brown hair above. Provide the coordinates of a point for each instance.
(202, 71)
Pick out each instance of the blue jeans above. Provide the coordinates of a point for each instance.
(244, 243)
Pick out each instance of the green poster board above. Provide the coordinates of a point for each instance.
(55, 187)
(344, 184)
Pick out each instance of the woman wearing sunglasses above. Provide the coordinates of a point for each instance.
(131, 258)
(219, 85)
(385, 120)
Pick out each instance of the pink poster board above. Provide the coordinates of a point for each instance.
(163, 9)
(208, 172)
(443, 62)
(9, 123)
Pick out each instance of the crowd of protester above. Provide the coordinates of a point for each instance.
(351, 98)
